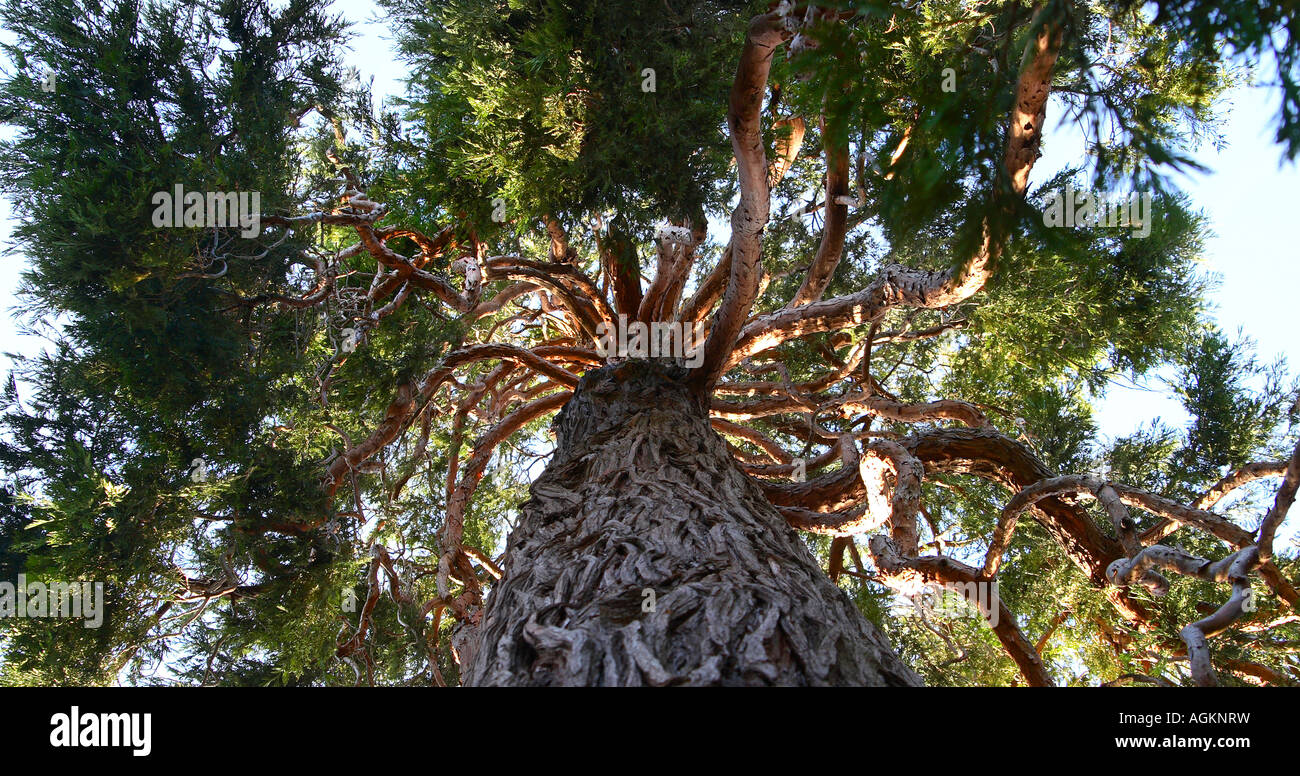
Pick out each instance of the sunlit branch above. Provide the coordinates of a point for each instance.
(766, 32)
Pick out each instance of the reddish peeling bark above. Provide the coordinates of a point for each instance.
(750, 216)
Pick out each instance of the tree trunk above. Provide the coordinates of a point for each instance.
(646, 557)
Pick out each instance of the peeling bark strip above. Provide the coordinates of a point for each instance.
(642, 494)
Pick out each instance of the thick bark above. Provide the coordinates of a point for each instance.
(641, 495)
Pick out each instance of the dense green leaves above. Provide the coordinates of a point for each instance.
(570, 108)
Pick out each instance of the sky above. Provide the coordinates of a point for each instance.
(1250, 196)
(1248, 193)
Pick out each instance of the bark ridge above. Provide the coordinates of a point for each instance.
(642, 495)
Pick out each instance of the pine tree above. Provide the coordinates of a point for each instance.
(378, 437)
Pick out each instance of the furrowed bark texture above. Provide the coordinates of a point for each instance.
(640, 495)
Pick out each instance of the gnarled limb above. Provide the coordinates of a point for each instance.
(1178, 515)
(826, 493)
(787, 469)
(494, 305)
(898, 285)
(990, 455)
(844, 523)
(883, 457)
(750, 216)
(675, 251)
(760, 408)
(1234, 568)
(817, 384)
(789, 140)
(458, 499)
(575, 290)
(622, 268)
(927, 412)
(835, 226)
(909, 574)
(774, 451)
(1105, 492)
(1281, 504)
(1243, 476)
(402, 409)
(698, 307)
(1032, 88)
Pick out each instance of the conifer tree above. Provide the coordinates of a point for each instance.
(375, 432)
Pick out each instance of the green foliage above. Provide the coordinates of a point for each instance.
(1235, 403)
(1263, 30)
(546, 105)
